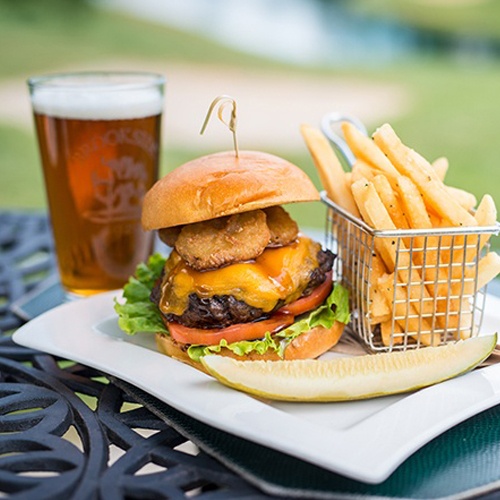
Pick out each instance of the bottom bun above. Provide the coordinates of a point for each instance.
(309, 345)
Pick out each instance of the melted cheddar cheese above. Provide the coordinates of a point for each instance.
(278, 274)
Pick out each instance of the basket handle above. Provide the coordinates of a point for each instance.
(335, 118)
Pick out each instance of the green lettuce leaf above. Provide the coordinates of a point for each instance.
(241, 348)
(138, 313)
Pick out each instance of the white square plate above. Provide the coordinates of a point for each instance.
(364, 440)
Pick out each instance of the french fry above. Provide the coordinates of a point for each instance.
(425, 249)
(438, 199)
(374, 213)
(413, 204)
(360, 170)
(486, 215)
(365, 149)
(348, 179)
(441, 167)
(417, 218)
(391, 202)
(458, 324)
(377, 320)
(405, 313)
(465, 199)
(464, 321)
(425, 256)
(488, 269)
(455, 247)
(330, 170)
(379, 308)
(466, 249)
(414, 166)
(391, 333)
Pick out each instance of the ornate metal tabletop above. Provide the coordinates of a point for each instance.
(67, 431)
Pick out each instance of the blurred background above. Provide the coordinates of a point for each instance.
(429, 67)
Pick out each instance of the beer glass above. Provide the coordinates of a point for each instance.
(99, 142)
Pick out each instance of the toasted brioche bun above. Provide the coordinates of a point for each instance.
(223, 184)
(309, 345)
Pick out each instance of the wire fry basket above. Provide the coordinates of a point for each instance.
(435, 294)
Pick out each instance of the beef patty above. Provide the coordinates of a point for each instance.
(220, 311)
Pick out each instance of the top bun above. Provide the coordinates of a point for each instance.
(222, 184)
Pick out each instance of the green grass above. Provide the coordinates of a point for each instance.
(453, 108)
(21, 177)
(474, 18)
(41, 40)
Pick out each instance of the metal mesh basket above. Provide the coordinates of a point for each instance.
(434, 295)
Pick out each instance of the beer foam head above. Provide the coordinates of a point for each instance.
(99, 99)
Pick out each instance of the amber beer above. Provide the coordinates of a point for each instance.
(99, 145)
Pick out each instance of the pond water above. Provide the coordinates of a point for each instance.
(315, 32)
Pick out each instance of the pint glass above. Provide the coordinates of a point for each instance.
(99, 141)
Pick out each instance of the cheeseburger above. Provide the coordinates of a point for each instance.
(241, 279)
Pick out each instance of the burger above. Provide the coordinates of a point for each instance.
(241, 280)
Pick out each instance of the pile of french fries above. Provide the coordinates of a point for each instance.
(415, 287)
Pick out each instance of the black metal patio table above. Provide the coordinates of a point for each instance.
(69, 431)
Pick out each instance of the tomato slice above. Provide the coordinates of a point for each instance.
(315, 299)
(233, 333)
